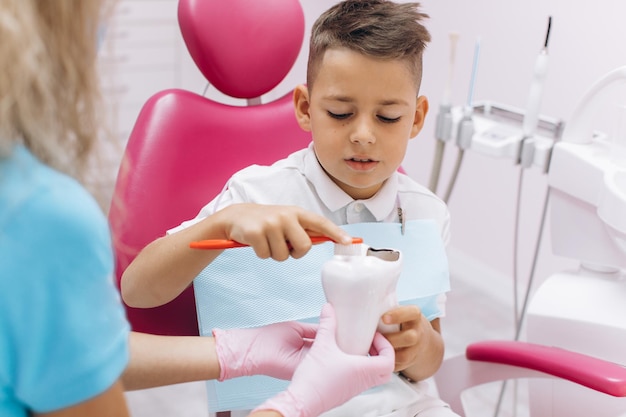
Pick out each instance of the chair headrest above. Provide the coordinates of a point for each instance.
(244, 48)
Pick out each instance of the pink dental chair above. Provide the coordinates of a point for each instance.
(185, 146)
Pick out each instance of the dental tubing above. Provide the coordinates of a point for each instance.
(466, 125)
(525, 159)
(443, 124)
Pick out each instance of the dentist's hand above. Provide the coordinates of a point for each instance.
(328, 377)
(274, 350)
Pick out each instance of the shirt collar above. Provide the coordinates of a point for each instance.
(334, 198)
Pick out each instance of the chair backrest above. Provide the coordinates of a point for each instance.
(184, 146)
(244, 48)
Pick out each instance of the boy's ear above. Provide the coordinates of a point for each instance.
(302, 106)
(421, 109)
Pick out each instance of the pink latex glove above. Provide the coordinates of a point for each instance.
(274, 350)
(328, 377)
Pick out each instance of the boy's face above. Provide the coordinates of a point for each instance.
(361, 112)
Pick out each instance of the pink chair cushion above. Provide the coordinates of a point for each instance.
(244, 48)
(180, 154)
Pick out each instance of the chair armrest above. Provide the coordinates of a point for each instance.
(595, 373)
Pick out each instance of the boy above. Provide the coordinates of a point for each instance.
(361, 105)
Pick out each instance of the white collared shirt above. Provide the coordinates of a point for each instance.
(299, 180)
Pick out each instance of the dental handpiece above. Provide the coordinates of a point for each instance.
(531, 118)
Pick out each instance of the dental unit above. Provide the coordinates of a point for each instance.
(581, 309)
(587, 180)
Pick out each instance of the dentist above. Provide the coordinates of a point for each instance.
(66, 348)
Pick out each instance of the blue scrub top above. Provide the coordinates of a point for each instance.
(63, 331)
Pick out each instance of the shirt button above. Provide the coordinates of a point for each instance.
(358, 207)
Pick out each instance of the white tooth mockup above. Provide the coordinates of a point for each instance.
(360, 283)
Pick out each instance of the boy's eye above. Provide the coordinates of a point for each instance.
(340, 116)
(388, 119)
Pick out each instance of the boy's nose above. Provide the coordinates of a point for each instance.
(362, 133)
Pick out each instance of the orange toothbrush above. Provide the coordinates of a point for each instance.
(228, 244)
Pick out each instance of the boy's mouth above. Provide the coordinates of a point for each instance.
(361, 164)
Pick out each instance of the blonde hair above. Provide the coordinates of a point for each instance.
(49, 88)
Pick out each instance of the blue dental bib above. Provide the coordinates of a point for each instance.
(239, 290)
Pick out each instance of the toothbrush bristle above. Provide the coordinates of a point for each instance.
(353, 249)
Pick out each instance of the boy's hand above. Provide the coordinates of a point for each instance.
(277, 232)
(413, 339)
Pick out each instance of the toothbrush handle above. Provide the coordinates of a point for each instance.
(217, 244)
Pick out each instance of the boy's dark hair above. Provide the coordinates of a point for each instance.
(376, 28)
